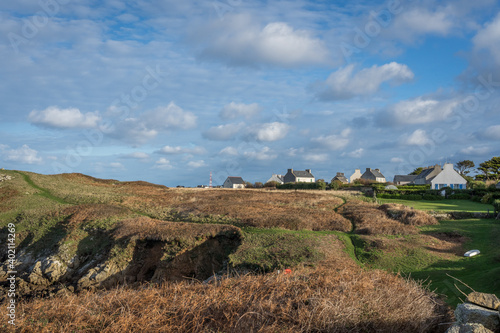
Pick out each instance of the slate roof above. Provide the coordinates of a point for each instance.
(302, 174)
(429, 173)
(404, 178)
(236, 180)
(377, 173)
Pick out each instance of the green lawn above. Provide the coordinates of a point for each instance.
(448, 205)
(480, 272)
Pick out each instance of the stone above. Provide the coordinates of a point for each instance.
(468, 328)
(489, 301)
(467, 313)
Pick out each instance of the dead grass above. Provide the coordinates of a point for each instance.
(262, 209)
(408, 215)
(369, 220)
(325, 299)
(146, 228)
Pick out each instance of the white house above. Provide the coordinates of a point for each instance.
(234, 182)
(356, 175)
(276, 178)
(296, 176)
(448, 177)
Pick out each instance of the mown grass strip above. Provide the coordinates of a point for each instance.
(42, 191)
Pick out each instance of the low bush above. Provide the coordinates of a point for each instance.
(460, 196)
(431, 197)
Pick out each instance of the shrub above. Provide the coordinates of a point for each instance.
(496, 205)
(460, 196)
(432, 197)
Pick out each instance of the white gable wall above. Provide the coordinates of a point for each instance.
(448, 177)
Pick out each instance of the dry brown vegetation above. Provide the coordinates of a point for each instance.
(262, 209)
(408, 215)
(326, 299)
(146, 228)
(370, 219)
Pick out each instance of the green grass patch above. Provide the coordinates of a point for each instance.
(447, 205)
(265, 250)
(480, 272)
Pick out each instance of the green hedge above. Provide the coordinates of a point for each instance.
(302, 186)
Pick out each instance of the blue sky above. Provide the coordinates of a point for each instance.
(169, 91)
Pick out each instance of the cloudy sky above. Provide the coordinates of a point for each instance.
(167, 91)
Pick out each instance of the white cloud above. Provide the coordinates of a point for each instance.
(163, 164)
(146, 126)
(24, 155)
(223, 132)
(397, 160)
(488, 38)
(197, 164)
(418, 138)
(471, 150)
(138, 155)
(231, 151)
(492, 132)
(270, 131)
(317, 158)
(237, 40)
(355, 154)
(345, 84)
(234, 110)
(3, 147)
(64, 118)
(292, 152)
(334, 141)
(265, 154)
(182, 150)
(117, 166)
(422, 21)
(169, 117)
(420, 111)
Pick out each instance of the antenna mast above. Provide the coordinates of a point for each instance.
(210, 184)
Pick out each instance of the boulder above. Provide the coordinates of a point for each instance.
(467, 313)
(489, 301)
(468, 328)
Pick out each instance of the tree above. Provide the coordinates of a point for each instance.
(258, 185)
(417, 171)
(491, 168)
(464, 167)
(271, 184)
(248, 185)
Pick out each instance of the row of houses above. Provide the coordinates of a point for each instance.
(306, 176)
(436, 176)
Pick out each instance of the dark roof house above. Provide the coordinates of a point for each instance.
(404, 179)
(296, 176)
(373, 174)
(340, 177)
(234, 182)
(427, 175)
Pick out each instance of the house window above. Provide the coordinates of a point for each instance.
(461, 186)
(451, 185)
(436, 187)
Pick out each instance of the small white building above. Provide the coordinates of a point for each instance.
(374, 175)
(356, 175)
(276, 178)
(234, 182)
(296, 176)
(448, 177)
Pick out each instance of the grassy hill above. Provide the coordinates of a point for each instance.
(115, 243)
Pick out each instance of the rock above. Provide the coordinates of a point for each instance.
(36, 275)
(53, 269)
(469, 314)
(489, 301)
(468, 328)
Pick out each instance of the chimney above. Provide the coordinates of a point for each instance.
(308, 170)
(290, 170)
(340, 174)
(368, 169)
(377, 170)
